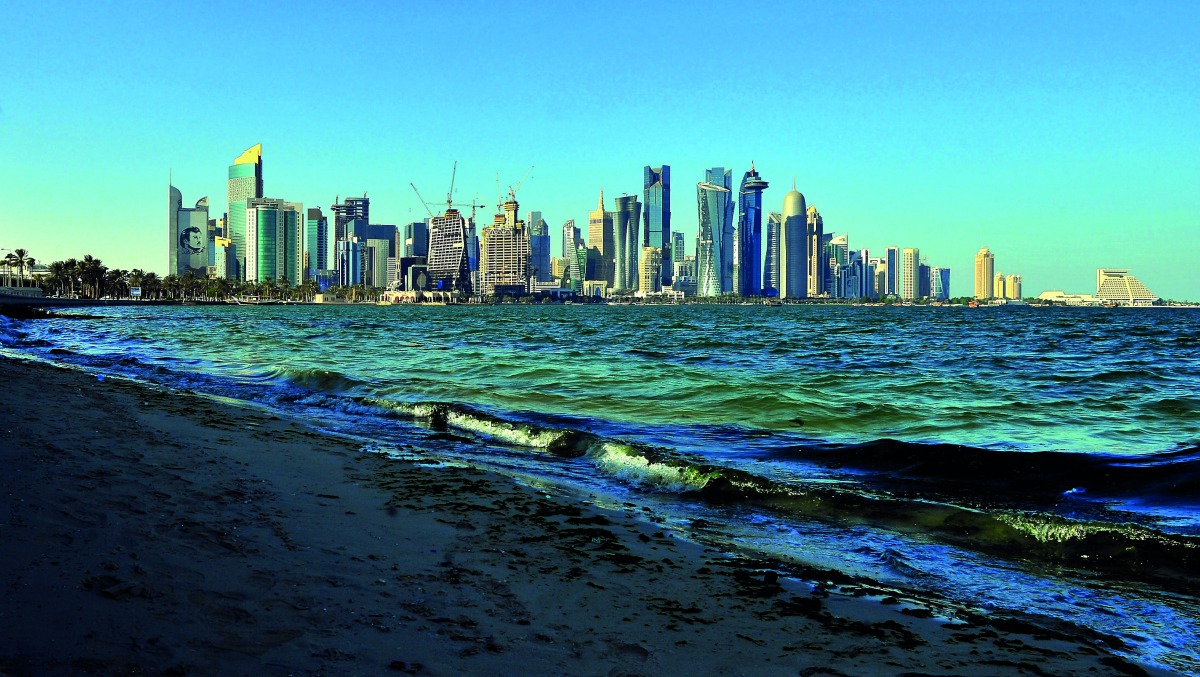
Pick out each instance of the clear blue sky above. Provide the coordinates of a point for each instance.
(1063, 136)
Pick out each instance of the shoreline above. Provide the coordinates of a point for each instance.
(156, 530)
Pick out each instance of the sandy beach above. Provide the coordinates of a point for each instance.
(147, 531)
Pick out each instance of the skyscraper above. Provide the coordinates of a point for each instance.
(818, 264)
(274, 240)
(504, 256)
(793, 247)
(939, 284)
(985, 269)
(539, 247)
(601, 242)
(1012, 287)
(771, 262)
(714, 247)
(628, 244)
(449, 266)
(999, 288)
(910, 280)
(416, 239)
(570, 239)
(894, 271)
(750, 233)
(656, 214)
(187, 235)
(245, 183)
(650, 270)
(351, 209)
(318, 243)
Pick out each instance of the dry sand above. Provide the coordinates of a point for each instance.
(145, 531)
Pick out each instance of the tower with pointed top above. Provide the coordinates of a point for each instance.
(818, 263)
(749, 233)
(601, 243)
(245, 183)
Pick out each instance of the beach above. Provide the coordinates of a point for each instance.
(149, 530)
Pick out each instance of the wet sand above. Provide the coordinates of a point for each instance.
(146, 531)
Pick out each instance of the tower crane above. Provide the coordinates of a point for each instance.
(450, 194)
(422, 200)
(512, 190)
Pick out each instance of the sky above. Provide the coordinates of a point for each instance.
(1063, 136)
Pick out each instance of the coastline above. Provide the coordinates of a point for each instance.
(161, 531)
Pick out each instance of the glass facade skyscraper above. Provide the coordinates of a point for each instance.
(750, 234)
(539, 247)
(274, 240)
(570, 239)
(656, 214)
(318, 243)
(449, 263)
(245, 183)
(628, 244)
(770, 281)
(714, 247)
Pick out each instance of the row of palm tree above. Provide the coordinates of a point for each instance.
(89, 278)
(20, 261)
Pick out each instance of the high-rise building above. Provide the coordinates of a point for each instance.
(601, 243)
(714, 246)
(999, 288)
(274, 240)
(375, 273)
(656, 215)
(837, 262)
(818, 264)
(570, 239)
(350, 261)
(449, 266)
(627, 243)
(187, 235)
(1012, 287)
(939, 284)
(504, 257)
(539, 247)
(770, 281)
(245, 183)
(223, 258)
(793, 247)
(1119, 286)
(895, 271)
(985, 267)
(650, 270)
(318, 243)
(924, 282)
(910, 281)
(749, 233)
(351, 209)
(416, 239)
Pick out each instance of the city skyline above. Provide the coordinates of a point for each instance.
(1057, 137)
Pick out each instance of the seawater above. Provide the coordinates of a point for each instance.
(1039, 462)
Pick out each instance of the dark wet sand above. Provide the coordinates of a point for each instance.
(152, 532)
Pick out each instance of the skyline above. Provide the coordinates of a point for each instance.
(1061, 138)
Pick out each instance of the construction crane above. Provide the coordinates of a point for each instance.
(450, 194)
(423, 203)
(512, 191)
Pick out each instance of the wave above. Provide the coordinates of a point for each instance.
(956, 470)
(324, 380)
(1029, 531)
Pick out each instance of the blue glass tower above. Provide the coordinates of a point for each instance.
(750, 234)
(656, 214)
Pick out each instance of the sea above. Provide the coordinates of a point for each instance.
(1018, 462)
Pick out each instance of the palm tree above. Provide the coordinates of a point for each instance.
(20, 260)
(91, 273)
(150, 284)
